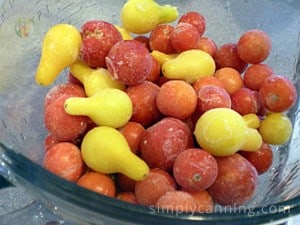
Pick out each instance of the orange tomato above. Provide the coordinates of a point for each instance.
(133, 133)
(98, 182)
(231, 79)
(64, 159)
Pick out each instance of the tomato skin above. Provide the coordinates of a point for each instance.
(184, 37)
(163, 141)
(155, 72)
(206, 44)
(143, 39)
(157, 183)
(210, 97)
(177, 200)
(245, 101)
(207, 80)
(133, 133)
(98, 182)
(236, 181)
(255, 75)
(64, 159)
(195, 169)
(160, 39)
(227, 56)
(125, 183)
(205, 203)
(176, 98)
(129, 62)
(254, 46)
(278, 93)
(50, 140)
(261, 159)
(231, 79)
(143, 98)
(195, 19)
(70, 89)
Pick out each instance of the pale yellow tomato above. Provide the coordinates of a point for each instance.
(276, 128)
(221, 131)
(105, 149)
(141, 16)
(189, 65)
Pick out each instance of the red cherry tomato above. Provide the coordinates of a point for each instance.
(278, 93)
(227, 56)
(210, 97)
(143, 98)
(176, 98)
(254, 46)
(261, 159)
(255, 75)
(133, 133)
(184, 37)
(207, 45)
(195, 169)
(196, 19)
(236, 182)
(160, 39)
(245, 101)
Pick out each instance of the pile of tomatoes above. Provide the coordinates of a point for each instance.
(162, 129)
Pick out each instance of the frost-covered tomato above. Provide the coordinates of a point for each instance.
(227, 56)
(129, 61)
(205, 203)
(245, 101)
(206, 44)
(176, 98)
(195, 169)
(231, 79)
(196, 19)
(236, 181)
(64, 159)
(163, 141)
(255, 75)
(157, 183)
(177, 201)
(210, 97)
(160, 40)
(184, 37)
(254, 46)
(278, 93)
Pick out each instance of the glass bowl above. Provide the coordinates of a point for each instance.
(22, 27)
